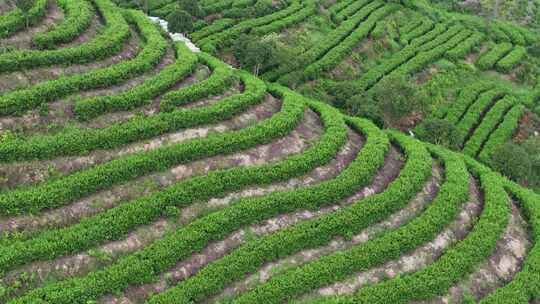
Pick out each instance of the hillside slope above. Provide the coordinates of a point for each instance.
(136, 171)
(342, 51)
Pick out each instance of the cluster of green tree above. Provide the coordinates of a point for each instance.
(256, 54)
(521, 162)
(392, 103)
(521, 11)
(187, 14)
(181, 20)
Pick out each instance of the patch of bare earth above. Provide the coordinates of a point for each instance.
(5, 6)
(529, 126)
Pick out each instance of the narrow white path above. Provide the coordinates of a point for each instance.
(176, 36)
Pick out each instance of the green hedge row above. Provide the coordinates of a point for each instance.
(223, 6)
(491, 57)
(79, 17)
(410, 25)
(216, 27)
(164, 11)
(373, 75)
(335, 55)
(489, 123)
(456, 263)
(15, 20)
(339, 6)
(117, 222)
(532, 97)
(109, 42)
(64, 190)
(88, 108)
(512, 59)
(464, 48)
(317, 51)
(309, 9)
(467, 96)
(312, 233)
(515, 35)
(156, 4)
(350, 31)
(220, 80)
(163, 254)
(474, 114)
(503, 133)
(388, 246)
(219, 7)
(425, 57)
(424, 27)
(77, 141)
(424, 45)
(350, 10)
(20, 101)
(222, 39)
(525, 286)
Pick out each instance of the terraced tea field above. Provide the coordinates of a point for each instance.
(134, 170)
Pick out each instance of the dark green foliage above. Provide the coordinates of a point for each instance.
(398, 98)
(363, 105)
(440, 132)
(180, 21)
(532, 146)
(25, 6)
(262, 8)
(254, 54)
(513, 161)
(192, 7)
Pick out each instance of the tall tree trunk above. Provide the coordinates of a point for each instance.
(496, 9)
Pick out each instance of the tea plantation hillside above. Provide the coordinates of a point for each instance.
(344, 52)
(137, 170)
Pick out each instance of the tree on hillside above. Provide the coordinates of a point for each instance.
(180, 21)
(440, 132)
(262, 8)
(253, 53)
(513, 161)
(191, 6)
(144, 5)
(398, 98)
(25, 6)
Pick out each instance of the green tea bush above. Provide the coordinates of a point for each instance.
(79, 17)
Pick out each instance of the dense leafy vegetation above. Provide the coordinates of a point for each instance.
(389, 152)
